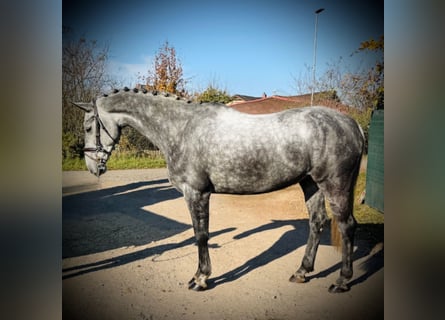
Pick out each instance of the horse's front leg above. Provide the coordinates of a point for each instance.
(198, 204)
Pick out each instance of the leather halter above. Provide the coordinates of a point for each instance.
(100, 162)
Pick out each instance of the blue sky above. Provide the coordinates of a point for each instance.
(245, 47)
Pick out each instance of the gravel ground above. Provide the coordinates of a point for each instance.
(128, 253)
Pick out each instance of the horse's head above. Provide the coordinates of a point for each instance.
(101, 135)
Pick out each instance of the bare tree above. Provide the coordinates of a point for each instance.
(83, 78)
(303, 82)
(361, 89)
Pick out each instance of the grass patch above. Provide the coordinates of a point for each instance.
(136, 162)
(362, 212)
(121, 160)
(72, 164)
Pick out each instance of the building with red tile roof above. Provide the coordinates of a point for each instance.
(276, 103)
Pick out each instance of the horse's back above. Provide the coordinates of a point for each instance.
(316, 132)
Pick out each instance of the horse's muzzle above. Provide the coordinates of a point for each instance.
(101, 169)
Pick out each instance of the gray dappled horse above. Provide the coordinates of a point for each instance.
(211, 148)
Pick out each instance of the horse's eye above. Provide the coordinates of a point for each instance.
(88, 129)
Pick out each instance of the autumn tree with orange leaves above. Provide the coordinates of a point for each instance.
(166, 74)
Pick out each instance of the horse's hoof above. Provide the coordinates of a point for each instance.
(336, 288)
(297, 278)
(195, 286)
(192, 283)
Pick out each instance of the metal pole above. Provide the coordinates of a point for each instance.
(315, 54)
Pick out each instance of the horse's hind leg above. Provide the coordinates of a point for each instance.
(347, 228)
(317, 217)
(341, 201)
(198, 204)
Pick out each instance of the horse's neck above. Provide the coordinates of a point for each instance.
(161, 119)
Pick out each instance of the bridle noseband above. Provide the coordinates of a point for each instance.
(100, 162)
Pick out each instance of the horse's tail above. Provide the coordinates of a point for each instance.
(335, 234)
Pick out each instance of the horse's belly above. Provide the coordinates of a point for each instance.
(255, 170)
(237, 182)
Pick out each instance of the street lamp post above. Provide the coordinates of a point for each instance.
(315, 54)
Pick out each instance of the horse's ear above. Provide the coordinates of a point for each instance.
(85, 106)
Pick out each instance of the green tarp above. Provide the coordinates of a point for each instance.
(375, 167)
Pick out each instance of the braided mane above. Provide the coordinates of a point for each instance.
(152, 92)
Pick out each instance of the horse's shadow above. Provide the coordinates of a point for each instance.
(295, 238)
(111, 218)
(132, 257)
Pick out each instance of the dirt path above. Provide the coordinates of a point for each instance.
(128, 253)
